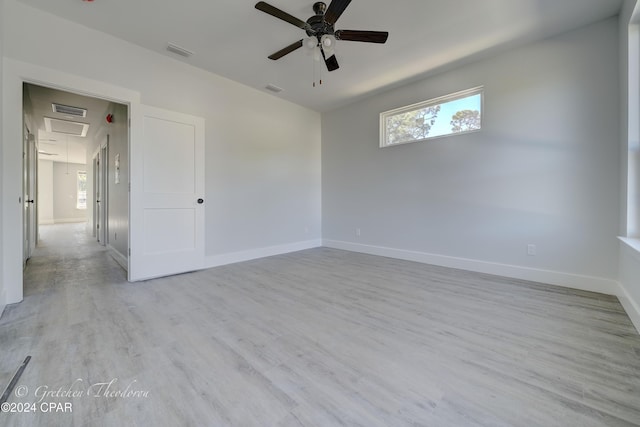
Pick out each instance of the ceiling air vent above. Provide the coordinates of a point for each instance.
(273, 88)
(67, 127)
(179, 50)
(69, 110)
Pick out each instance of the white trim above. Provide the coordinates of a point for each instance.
(568, 280)
(118, 257)
(629, 253)
(46, 222)
(630, 306)
(633, 244)
(234, 257)
(467, 93)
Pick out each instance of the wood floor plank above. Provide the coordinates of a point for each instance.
(314, 338)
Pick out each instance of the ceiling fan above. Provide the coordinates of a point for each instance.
(320, 30)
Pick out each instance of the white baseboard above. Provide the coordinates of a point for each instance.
(46, 222)
(629, 256)
(233, 257)
(568, 280)
(630, 306)
(118, 257)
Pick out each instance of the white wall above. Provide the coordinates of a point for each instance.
(544, 170)
(262, 153)
(629, 263)
(3, 297)
(45, 192)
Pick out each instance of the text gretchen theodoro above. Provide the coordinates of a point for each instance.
(80, 388)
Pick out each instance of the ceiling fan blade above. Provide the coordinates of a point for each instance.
(331, 62)
(334, 10)
(362, 36)
(274, 11)
(282, 52)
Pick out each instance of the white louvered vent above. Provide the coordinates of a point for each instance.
(69, 110)
(273, 88)
(67, 127)
(179, 50)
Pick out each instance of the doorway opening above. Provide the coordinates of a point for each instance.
(67, 176)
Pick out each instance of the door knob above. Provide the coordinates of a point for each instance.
(30, 201)
(200, 201)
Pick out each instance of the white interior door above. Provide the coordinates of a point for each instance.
(167, 193)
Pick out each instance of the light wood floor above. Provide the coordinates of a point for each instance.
(316, 338)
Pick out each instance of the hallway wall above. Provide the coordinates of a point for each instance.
(64, 193)
(117, 133)
(45, 192)
(57, 193)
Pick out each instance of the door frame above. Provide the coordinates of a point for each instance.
(100, 173)
(15, 74)
(95, 161)
(29, 194)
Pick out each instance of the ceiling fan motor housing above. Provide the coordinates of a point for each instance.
(319, 8)
(317, 24)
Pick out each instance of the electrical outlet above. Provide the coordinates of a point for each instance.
(531, 250)
(357, 232)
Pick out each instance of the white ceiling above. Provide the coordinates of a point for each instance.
(60, 147)
(233, 39)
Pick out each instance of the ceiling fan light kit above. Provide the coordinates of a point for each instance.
(320, 30)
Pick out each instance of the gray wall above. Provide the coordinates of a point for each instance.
(119, 193)
(64, 193)
(45, 192)
(2, 287)
(544, 170)
(117, 134)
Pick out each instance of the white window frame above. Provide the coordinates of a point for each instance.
(78, 205)
(429, 103)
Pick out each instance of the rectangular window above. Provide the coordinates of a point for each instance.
(81, 192)
(457, 113)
